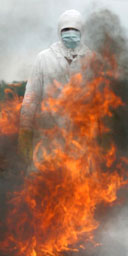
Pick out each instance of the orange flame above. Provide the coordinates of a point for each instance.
(55, 210)
(9, 113)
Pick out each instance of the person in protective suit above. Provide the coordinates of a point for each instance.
(57, 63)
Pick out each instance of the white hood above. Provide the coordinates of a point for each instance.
(70, 19)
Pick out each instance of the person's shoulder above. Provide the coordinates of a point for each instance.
(48, 50)
(86, 49)
(42, 53)
(55, 46)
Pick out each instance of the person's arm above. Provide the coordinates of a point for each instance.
(32, 98)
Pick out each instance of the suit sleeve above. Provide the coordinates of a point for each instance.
(33, 96)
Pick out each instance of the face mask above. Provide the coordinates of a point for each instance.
(71, 38)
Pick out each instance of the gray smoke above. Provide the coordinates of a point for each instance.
(27, 27)
(101, 27)
(25, 30)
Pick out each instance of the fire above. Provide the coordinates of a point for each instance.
(54, 211)
(9, 113)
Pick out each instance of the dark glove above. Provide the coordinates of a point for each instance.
(25, 145)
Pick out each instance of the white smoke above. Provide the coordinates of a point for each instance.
(27, 27)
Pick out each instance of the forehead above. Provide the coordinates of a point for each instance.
(67, 29)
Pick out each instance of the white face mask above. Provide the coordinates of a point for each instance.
(71, 38)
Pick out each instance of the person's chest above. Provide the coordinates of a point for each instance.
(58, 71)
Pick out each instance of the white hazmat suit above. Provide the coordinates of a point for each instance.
(55, 63)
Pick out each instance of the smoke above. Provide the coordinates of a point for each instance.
(104, 33)
(100, 26)
(24, 31)
(27, 27)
